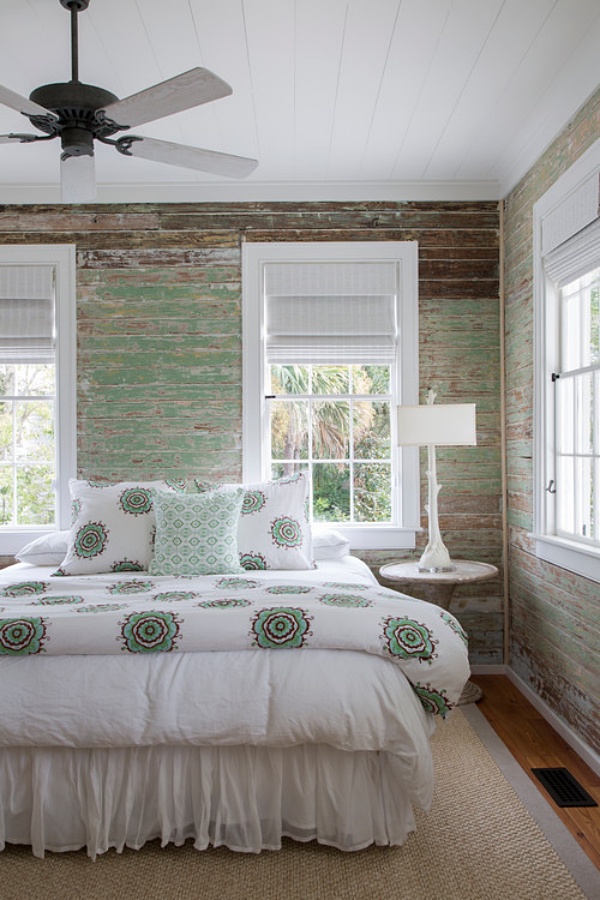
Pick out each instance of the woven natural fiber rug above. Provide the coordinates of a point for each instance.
(479, 842)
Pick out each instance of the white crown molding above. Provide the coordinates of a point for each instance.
(257, 192)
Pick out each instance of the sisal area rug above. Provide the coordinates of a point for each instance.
(479, 842)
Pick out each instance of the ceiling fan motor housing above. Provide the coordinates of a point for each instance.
(77, 124)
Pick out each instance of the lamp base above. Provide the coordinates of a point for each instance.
(436, 569)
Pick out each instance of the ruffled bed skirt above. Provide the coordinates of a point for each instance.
(246, 798)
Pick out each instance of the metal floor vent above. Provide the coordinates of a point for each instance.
(563, 788)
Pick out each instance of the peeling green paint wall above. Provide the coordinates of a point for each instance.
(554, 624)
(159, 346)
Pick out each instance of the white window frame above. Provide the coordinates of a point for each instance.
(559, 207)
(405, 497)
(62, 258)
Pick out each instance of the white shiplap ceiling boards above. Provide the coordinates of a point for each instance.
(338, 99)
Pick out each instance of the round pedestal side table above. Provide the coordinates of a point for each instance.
(438, 588)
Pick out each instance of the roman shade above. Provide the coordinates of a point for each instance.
(26, 314)
(576, 256)
(331, 312)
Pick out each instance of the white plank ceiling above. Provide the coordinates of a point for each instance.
(337, 99)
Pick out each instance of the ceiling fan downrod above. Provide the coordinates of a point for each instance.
(73, 102)
(75, 7)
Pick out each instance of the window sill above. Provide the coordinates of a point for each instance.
(569, 555)
(376, 537)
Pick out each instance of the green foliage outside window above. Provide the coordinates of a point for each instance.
(27, 466)
(334, 421)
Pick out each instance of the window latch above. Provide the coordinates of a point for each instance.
(555, 376)
(550, 487)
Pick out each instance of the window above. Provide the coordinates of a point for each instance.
(330, 349)
(37, 390)
(567, 414)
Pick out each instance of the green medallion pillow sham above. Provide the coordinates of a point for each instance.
(274, 530)
(113, 526)
(197, 534)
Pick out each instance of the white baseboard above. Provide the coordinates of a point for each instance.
(587, 753)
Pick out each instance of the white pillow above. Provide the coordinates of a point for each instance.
(47, 550)
(274, 531)
(113, 527)
(329, 543)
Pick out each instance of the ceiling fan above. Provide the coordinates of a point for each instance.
(82, 113)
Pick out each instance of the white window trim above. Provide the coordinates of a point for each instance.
(254, 438)
(62, 258)
(571, 555)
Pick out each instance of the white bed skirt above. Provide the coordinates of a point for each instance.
(246, 798)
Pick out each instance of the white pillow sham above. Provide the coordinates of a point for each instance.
(46, 550)
(274, 530)
(329, 543)
(113, 527)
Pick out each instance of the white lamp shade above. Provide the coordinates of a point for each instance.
(443, 425)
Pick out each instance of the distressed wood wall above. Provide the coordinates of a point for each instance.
(554, 623)
(159, 346)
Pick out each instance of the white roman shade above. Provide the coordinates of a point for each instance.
(575, 257)
(331, 312)
(26, 314)
(570, 243)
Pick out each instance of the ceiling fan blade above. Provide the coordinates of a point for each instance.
(77, 179)
(23, 104)
(11, 139)
(174, 95)
(190, 157)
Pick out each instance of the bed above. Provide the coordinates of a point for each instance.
(233, 708)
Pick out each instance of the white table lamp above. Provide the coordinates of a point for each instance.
(429, 425)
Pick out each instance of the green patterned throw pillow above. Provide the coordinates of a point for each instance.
(196, 534)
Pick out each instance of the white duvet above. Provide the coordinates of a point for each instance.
(94, 693)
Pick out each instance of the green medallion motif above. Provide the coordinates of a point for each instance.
(59, 600)
(174, 596)
(90, 540)
(136, 501)
(408, 639)
(253, 502)
(455, 626)
(286, 532)
(433, 701)
(100, 608)
(289, 589)
(24, 589)
(282, 627)
(345, 586)
(252, 561)
(229, 603)
(127, 565)
(22, 637)
(236, 583)
(130, 587)
(352, 601)
(150, 632)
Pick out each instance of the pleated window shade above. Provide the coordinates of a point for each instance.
(26, 314)
(576, 256)
(321, 312)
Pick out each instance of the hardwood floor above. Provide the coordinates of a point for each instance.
(534, 743)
